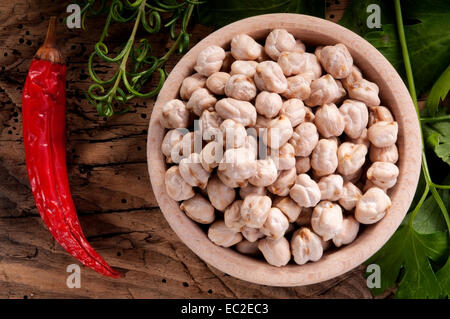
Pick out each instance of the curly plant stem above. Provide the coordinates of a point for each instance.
(122, 68)
(179, 38)
(430, 186)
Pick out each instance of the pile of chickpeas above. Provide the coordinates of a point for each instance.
(291, 150)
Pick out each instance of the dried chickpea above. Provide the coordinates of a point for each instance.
(383, 174)
(219, 194)
(270, 77)
(383, 134)
(190, 84)
(210, 125)
(284, 157)
(362, 139)
(349, 196)
(233, 133)
(175, 114)
(329, 121)
(283, 183)
(232, 216)
(277, 41)
(305, 216)
(231, 182)
(240, 87)
(216, 82)
(305, 192)
(171, 138)
(384, 154)
(379, 113)
(355, 116)
(293, 63)
(198, 209)
(278, 132)
(354, 76)
(372, 206)
(261, 125)
(324, 159)
(324, 90)
(304, 139)
(193, 172)
(251, 189)
(275, 225)
(192, 143)
(252, 234)
(223, 236)
(364, 91)
(309, 115)
(211, 155)
(248, 248)
(326, 220)
(240, 111)
(351, 157)
(247, 68)
(200, 100)
(306, 246)
(294, 110)
(266, 173)
(268, 104)
(298, 87)
(255, 209)
(299, 46)
(244, 47)
(336, 60)
(331, 187)
(288, 207)
(302, 164)
(276, 252)
(183, 149)
(210, 60)
(348, 233)
(251, 144)
(238, 164)
(176, 187)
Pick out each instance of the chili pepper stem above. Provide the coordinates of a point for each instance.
(49, 50)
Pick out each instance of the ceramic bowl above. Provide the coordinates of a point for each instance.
(393, 93)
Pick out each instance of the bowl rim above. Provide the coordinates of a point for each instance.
(372, 238)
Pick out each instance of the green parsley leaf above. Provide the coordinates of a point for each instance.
(437, 136)
(408, 254)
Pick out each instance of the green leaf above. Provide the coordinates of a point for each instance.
(443, 276)
(429, 218)
(438, 92)
(427, 32)
(408, 253)
(437, 136)
(219, 13)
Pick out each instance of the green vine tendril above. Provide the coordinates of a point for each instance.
(136, 61)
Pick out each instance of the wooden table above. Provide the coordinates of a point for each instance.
(110, 185)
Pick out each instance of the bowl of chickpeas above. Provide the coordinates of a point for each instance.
(284, 150)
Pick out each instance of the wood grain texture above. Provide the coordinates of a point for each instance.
(110, 185)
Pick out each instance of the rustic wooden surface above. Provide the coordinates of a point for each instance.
(110, 185)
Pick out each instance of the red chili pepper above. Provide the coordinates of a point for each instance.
(44, 130)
